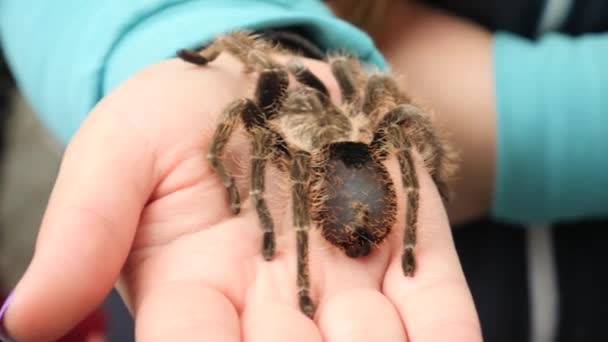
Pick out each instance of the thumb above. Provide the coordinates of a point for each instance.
(103, 184)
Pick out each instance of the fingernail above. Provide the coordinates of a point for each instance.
(3, 335)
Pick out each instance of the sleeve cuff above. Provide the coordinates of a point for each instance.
(551, 119)
(159, 36)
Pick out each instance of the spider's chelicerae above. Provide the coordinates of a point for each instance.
(333, 153)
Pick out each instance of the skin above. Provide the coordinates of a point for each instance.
(136, 203)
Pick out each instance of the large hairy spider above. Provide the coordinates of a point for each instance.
(333, 153)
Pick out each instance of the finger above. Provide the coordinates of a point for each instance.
(186, 311)
(435, 304)
(103, 184)
(275, 321)
(271, 310)
(351, 307)
(360, 315)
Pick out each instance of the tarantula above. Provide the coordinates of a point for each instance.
(333, 153)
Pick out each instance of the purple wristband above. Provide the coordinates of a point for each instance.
(3, 335)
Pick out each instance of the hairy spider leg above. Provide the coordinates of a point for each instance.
(228, 121)
(192, 56)
(252, 51)
(300, 176)
(412, 191)
(390, 135)
(382, 91)
(306, 77)
(270, 91)
(343, 70)
(263, 141)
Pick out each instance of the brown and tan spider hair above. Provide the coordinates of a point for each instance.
(333, 154)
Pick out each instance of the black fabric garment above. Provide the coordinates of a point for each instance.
(6, 86)
(295, 39)
(493, 257)
(518, 16)
(587, 16)
(581, 255)
(523, 16)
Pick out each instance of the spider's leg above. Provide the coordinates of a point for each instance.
(249, 48)
(299, 176)
(224, 130)
(252, 50)
(381, 91)
(394, 138)
(416, 124)
(263, 141)
(194, 57)
(306, 77)
(270, 91)
(412, 188)
(207, 54)
(344, 70)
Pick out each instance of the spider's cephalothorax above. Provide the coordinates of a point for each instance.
(333, 154)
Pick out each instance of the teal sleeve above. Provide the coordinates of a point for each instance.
(552, 144)
(66, 54)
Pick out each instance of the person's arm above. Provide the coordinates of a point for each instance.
(66, 56)
(530, 117)
(446, 63)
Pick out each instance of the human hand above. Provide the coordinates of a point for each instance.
(136, 200)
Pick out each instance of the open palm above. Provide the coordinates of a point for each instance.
(136, 202)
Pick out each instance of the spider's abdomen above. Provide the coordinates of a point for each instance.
(354, 201)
